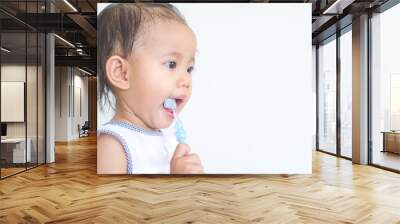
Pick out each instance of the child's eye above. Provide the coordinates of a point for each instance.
(170, 64)
(190, 69)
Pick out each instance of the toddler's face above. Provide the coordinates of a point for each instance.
(161, 68)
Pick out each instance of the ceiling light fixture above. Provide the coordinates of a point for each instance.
(70, 5)
(84, 71)
(337, 7)
(65, 41)
(329, 9)
(5, 50)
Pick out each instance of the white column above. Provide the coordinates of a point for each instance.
(50, 92)
(360, 90)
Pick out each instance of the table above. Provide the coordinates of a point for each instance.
(391, 141)
(16, 147)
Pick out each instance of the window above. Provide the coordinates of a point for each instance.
(385, 89)
(327, 97)
(346, 93)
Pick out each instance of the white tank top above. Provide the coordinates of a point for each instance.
(146, 151)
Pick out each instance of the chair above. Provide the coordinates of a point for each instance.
(84, 130)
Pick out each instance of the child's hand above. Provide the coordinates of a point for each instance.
(183, 162)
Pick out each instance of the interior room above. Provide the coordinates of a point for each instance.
(22, 99)
(48, 150)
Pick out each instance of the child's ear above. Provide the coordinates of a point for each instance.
(117, 72)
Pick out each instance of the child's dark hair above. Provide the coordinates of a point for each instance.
(119, 27)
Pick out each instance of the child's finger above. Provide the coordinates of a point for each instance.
(181, 150)
(192, 158)
(194, 169)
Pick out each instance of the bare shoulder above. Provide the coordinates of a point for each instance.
(111, 157)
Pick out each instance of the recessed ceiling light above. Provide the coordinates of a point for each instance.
(64, 40)
(5, 50)
(70, 5)
(338, 6)
(84, 71)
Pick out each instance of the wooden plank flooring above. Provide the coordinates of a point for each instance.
(10, 171)
(70, 191)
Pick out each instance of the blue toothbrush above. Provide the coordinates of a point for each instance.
(180, 133)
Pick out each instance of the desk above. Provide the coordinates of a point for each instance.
(16, 148)
(391, 141)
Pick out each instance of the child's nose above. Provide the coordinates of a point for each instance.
(184, 80)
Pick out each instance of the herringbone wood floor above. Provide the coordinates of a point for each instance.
(70, 191)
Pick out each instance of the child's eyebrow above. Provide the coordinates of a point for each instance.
(179, 56)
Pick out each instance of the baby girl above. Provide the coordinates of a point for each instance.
(146, 54)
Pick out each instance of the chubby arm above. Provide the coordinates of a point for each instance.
(111, 157)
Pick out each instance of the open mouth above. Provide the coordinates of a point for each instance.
(179, 101)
